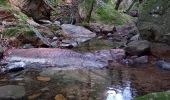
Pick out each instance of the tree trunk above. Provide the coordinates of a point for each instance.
(117, 4)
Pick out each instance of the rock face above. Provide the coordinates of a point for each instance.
(154, 20)
(78, 34)
(12, 92)
(36, 9)
(138, 47)
(60, 58)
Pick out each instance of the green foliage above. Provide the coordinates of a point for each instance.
(155, 96)
(19, 29)
(108, 14)
(4, 5)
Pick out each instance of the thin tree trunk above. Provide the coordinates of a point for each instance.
(90, 11)
(131, 6)
(118, 4)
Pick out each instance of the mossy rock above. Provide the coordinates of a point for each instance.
(154, 20)
(107, 14)
(155, 96)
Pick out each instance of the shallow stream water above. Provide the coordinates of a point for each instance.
(124, 83)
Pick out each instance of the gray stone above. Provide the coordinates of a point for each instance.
(138, 47)
(100, 27)
(163, 65)
(13, 92)
(54, 44)
(135, 37)
(141, 60)
(27, 46)
(78, 34)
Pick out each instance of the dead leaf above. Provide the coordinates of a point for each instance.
(34, 96)
(60, 97)
(44, 79)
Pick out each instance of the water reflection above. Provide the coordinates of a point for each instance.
(120, 94)
(94, 84)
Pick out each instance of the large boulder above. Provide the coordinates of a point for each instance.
(138, 47)
(154, 20)
(102, 28)
(78, 34)
(37, 9)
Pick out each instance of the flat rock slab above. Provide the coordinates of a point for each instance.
(12, 92)
(61, 58)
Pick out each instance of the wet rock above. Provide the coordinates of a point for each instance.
(78, 34)
(69, 43)
(163, 65)
(135, 37)
(27, 46)
(12, 92)
(112, 54)
(61, 58)
(141, 60)
(101, 28)
(15, 66)
(138, 47)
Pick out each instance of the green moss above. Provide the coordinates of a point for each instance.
(155, 96)
(20, 29)
(150, 6)
(108, 14)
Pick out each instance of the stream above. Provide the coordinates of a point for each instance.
(118, 83)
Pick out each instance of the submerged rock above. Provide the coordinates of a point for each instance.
(12, 92)
(62, 58)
